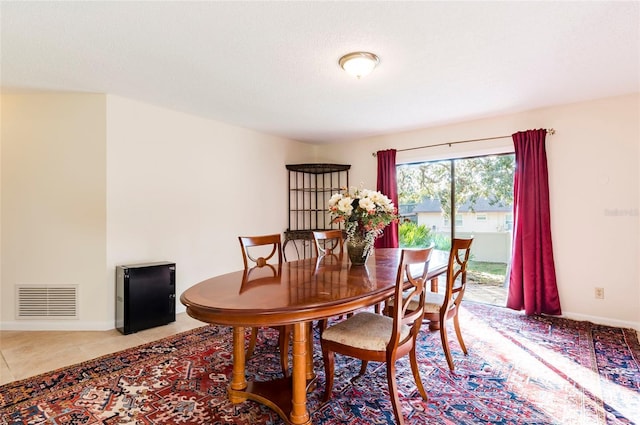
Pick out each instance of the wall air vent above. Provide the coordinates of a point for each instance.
(47, 301)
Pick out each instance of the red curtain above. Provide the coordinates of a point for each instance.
(532, 282)
(387, 185)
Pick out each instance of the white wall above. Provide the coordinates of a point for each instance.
(53, 200)
(182, 188)
(594, 190)
(92, 181)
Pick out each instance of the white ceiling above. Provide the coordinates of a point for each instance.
(273, 66)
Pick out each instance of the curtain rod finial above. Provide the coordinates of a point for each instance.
(551, 131)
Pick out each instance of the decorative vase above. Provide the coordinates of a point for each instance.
(356, 250)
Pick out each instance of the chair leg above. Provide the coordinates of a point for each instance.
(328, 357)
(416, 373)
(456, 325)
(445, 343)
(363, 367)
(393, 391)
(434, 325)
(252, 342)
(284, 337)
(322, 325)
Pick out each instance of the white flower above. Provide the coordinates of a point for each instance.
(366, 204)
(386, 204)
(376, 197)
(344, 206)
(334, 199)
(367, 193)
(373, 211)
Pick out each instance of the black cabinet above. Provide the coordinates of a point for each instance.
(145, 296)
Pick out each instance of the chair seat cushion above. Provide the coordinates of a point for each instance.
(365, 330)
(432, 303)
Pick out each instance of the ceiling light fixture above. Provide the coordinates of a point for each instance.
(359, 64)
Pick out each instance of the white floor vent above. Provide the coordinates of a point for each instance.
(47, 301)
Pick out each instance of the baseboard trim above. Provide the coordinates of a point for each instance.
(64, 325)
(55, 325)
(602, 320)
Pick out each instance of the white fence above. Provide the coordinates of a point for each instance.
(493, 247)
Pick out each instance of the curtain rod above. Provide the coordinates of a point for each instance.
(550, 131)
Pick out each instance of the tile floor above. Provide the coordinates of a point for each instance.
(28, 353)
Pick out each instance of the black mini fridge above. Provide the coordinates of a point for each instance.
(145, 296)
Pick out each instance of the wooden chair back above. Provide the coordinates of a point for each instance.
(248, 245)
(328, 242)
(456, 273)
(409, 286)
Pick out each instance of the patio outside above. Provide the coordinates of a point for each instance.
(485, 283)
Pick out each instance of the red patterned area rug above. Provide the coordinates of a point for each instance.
(520, 370)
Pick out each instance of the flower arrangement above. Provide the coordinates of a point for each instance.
(365, 213)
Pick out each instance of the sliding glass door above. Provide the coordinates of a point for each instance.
(468, 197)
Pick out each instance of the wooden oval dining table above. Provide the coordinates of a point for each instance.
(294, 293)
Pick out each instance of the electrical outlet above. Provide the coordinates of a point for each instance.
(600, 293)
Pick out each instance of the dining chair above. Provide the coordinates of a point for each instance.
(375, 337)
(262, 251)
(328, 242)
(440, 307)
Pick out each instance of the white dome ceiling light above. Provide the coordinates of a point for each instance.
(359, 64)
